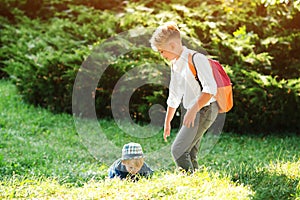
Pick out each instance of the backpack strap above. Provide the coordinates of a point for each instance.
(193, 69)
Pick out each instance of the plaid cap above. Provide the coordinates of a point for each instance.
(132, 151)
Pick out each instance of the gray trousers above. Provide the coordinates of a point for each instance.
(186, 144)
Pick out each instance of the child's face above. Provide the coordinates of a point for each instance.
(170, 50)
(133, 166)
(166, 53)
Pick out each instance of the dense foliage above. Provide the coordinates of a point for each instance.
(44, 44)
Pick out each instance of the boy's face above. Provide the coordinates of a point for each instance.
(133, 166)
(169, 51)
(166, 53)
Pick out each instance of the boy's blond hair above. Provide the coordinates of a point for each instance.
(163, 34)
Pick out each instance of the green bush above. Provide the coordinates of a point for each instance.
(46, 9)
(144, 61)
(44, 62)
(233, 32)
(263, 63)
(3, 21)
(262, 103)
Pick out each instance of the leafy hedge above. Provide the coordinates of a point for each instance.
(263, 103)
(262, 62)
(47, 56)
(45, 9)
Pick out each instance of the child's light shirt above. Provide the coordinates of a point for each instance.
(183, 85)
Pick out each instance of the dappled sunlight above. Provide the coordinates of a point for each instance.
(161, 186)
(289, 169)
(51, 148)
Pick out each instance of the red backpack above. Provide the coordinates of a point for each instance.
(224, 94)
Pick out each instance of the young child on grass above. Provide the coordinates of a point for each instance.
(201, 107)
(131, 165)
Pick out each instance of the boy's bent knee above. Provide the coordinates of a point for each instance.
(173, 151)
(176, 152)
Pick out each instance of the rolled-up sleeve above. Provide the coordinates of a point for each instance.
(205, 74)
(175, 94)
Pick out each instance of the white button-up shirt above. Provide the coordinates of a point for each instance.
(183, 85)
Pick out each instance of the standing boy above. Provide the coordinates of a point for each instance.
(201, 107)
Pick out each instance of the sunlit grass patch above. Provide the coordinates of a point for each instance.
(289, 169)
(200, 185)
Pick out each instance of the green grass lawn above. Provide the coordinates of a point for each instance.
(43, 157)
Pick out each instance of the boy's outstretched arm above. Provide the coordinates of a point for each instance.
(169, 116)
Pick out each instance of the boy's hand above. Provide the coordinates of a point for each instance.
(167, 130)
(189, 118)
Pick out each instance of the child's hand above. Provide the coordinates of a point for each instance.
(189, 118)
(167, 130)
